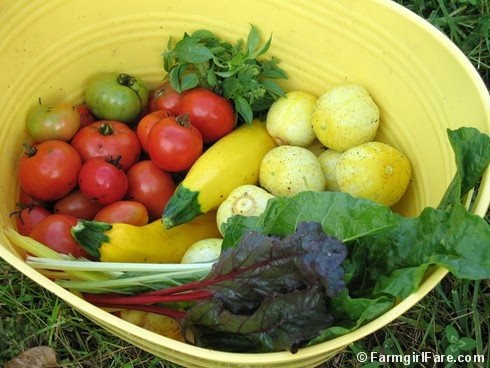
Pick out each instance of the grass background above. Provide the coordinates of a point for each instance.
(453, 318)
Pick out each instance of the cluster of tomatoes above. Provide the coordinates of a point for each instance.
(80, 166)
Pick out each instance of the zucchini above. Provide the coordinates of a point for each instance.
(232, 161)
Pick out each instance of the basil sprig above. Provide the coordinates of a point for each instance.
(238, 71)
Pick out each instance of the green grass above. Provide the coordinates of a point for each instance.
(456, 314)
(465, 22)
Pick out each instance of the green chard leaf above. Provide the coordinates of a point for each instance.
(341, 215)
(472, 155)
(351, 313)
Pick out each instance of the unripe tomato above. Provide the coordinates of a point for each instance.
(102, 181)
(174, 144)
(116, 96)
(59, 122)
(49, 170)
(54, 231)
(213, 115)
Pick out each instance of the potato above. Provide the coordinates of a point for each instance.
(205, 250)
(375, 171)
(164, 326)
(288, 170)
(159, 324)
(344, 117)
(289, 119)
(328, 160)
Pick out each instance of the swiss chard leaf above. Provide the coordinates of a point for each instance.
(389, 255)
(281, 322)
(351, 313)
(341, 215)
(273, 290)
(395, 262)
(472, 155)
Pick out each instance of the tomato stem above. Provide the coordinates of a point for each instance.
(129, 81)
(183, 120)
(21, 206)
(115, 160)
(125, 80)
(106, 129)
(30, 150)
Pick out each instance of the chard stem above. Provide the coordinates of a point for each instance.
(99, 299)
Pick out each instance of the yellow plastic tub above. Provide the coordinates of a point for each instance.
(422, 83)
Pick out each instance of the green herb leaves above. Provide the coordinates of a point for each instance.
(234, 71)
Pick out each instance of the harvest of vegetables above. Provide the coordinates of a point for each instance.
(264, 244)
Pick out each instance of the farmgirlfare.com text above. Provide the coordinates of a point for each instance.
(417, 357)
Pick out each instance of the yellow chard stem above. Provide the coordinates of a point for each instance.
(40, 250)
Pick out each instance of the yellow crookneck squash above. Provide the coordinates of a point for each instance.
(152, 243)
(232, 161)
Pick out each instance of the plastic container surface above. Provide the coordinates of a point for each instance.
(422, 83)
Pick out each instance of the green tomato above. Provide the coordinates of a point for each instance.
(59, 122)
(116, 96)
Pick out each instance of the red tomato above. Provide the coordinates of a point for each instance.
(127, 212)
(165, 97)
(102, 181)
(86, 116)
(49, 170)
(28, 200)
(55, 232)
(150, 186)
(29, 216)
(174, 144)
(213, 115)
(146, 123)
(106, 139)
(78, 205)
